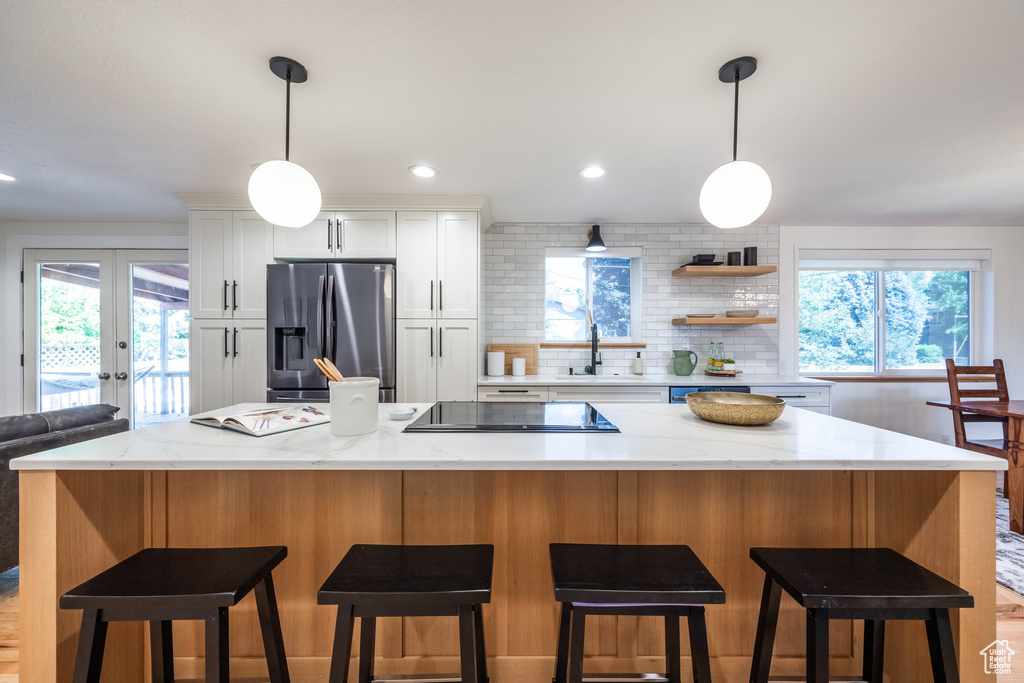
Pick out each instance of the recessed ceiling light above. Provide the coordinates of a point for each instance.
(423, 171)
(593, 171)
(7, 178)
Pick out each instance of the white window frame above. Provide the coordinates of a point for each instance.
(635, 256)
(880, 261)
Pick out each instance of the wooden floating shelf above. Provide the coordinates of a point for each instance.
(722, 271)
(723, 321)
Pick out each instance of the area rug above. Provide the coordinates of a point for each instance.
(1009, 549)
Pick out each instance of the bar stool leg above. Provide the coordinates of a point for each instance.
(941, 647)
(342, 645)
(874, 650)
(700, 658)
(367, 646)
(764, 641)
(467, 648)
(577, 633)
(817, 646)
(481, 650)
(91, 640)
(270, 626)
(217, 657)
(672, 655)
(161, 649)
(562, 654)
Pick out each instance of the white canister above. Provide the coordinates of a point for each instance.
(354, 406)
(495, 363)
(518, 367)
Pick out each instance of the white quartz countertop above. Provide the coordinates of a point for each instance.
(698, 378)
(653, 436)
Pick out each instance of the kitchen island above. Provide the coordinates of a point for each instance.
(668, 477)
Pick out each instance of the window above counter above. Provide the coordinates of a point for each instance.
(608, 284)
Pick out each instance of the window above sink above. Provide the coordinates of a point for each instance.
(608, 284)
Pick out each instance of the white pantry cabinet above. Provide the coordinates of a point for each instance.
(228, 363)
(339, 234)
(436, 360)
(228, 254)
(438, 264)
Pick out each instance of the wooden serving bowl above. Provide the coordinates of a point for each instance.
(735, 408)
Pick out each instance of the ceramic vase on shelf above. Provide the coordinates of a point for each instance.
(684, 362)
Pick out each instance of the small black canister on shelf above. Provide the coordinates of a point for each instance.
(750, 256)
(733, 258)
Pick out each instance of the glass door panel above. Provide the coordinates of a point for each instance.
(159, 342)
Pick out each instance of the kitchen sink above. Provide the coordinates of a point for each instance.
(604, 378)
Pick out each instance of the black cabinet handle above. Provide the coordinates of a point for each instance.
(440, 296)
(794, 396)
(328, 234)
(431, 342)
(234, 295)
(225, 342)
(225, 295)
(234, 343)
(440, 342)
(431, 295)
(679, 399)
(513, 391)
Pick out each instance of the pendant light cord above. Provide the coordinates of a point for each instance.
(735, 113)
(288, 115)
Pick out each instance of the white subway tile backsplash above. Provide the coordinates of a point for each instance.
(513, 274)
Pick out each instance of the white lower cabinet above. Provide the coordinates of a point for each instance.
(513, 395)
(609, 394)
(229, 363)
(436, 360)
(816, 398)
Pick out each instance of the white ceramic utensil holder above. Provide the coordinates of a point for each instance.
(495, 363)
(354, 406)
(518, 367)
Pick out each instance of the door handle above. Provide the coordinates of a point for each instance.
(121, 375)
(234, 343)
(234, 295)
(225, 295)
(103, 375)
(329, 247)
(225, 342)
(431, 342)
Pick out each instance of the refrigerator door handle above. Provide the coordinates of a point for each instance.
(320, 318)
(329, 332)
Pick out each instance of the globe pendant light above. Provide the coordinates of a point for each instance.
(283, 193)
(736, 194)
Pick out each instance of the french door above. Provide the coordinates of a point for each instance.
(107, 326)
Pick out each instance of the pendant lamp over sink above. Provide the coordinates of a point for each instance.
(736, 194)
(282, 192)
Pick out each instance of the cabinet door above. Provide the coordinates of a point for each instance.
(210, 365)
(416, 269)
(458, 264)
(457, 355)
(610, 394)
(209, 246)
(417, 361)
(252, 249)
(249, 357)
(366, 234)
(314, 241)
(510, 395)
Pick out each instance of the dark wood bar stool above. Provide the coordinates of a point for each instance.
(656, 580)
(873, 584)
(160, 585)
(409, 581)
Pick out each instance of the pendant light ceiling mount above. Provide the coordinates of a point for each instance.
(736, 193)
(282, 192)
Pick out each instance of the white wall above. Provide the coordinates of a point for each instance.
(15, 237)
(999, 321)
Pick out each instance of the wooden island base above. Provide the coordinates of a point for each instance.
(76, 523)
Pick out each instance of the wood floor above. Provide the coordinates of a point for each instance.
(1009, 626)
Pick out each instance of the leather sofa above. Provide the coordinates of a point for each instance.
(35, 432)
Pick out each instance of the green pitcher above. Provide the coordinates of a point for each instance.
(684, 362)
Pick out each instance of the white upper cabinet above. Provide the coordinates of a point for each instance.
(229, 252)
(416, 272)
(458, 264)
(339, 234)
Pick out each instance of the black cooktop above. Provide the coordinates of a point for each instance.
(472, 416)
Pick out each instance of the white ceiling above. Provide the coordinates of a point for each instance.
(874, 112)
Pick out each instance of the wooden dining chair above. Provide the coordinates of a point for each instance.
(972, 374)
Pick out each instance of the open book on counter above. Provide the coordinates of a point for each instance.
(267, 420)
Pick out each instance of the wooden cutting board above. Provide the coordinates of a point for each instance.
(527, 351)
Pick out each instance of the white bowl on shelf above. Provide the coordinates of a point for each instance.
(743, 313)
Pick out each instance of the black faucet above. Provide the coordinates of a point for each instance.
(594, 360)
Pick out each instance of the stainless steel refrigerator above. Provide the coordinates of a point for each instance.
(341, 311)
